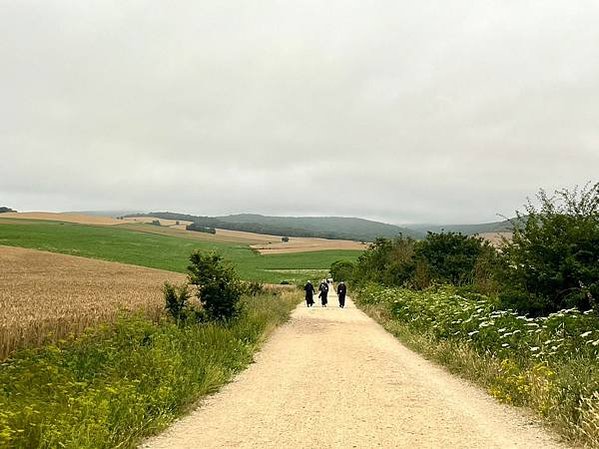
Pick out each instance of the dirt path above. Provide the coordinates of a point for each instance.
(333, 378)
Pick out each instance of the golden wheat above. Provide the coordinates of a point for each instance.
(46, 296)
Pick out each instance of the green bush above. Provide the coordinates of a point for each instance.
(342, 270)
(440, 258)
(253, 288)
(451, 257)
(552, 262)
(390, 262)
(218, 287)
(176, 298)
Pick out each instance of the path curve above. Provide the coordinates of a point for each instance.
(334, 378)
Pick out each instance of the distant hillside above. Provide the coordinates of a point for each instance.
(4, 209)
(467, 229)
(107, 213)
(325, 227)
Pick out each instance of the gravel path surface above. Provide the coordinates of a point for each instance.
(333, 378)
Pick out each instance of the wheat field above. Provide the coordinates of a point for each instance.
(63, 217)
(46, 296)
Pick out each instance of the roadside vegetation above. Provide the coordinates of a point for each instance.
(118, 383)
(523, 321)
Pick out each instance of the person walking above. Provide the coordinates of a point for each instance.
(324, 292)
(341, 292)
(309, 289)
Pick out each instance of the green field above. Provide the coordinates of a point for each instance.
(163, 251)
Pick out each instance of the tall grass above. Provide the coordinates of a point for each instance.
(549, 364)
(118, 383)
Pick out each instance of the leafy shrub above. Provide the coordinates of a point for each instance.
(253, 288)
(440, 258)
(285, 239)
(176, 298)
(218, 287)
(390, 262)
(342, 270)
(451, 257)
(552, 261)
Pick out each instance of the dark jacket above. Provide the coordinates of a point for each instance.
(324, 289)
(309, 289)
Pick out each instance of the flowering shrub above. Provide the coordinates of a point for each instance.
(549, 363)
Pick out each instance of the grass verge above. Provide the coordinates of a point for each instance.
(117, 384)
(549, 364)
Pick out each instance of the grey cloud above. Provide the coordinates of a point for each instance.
(403, 111)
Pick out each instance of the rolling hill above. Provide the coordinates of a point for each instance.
(345, 228)
(467, 229)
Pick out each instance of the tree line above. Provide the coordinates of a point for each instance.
(550, 263)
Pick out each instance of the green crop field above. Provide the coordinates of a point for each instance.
(162, 251)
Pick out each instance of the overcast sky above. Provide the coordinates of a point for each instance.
(406, 111)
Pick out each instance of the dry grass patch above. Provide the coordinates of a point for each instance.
(65, 217)
(163, 222)
(496, 238)
(47, 296)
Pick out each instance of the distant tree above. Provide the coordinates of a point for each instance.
(552, 261)
(200, 228)
(218, 287)
(342, 270)
(155, 222)
(390, 262)
(440, 258)
(6, 209)
(284, 239)
(177, 223)
(451, 257)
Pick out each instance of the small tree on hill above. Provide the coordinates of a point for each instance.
(218, 286)
(285, 239)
